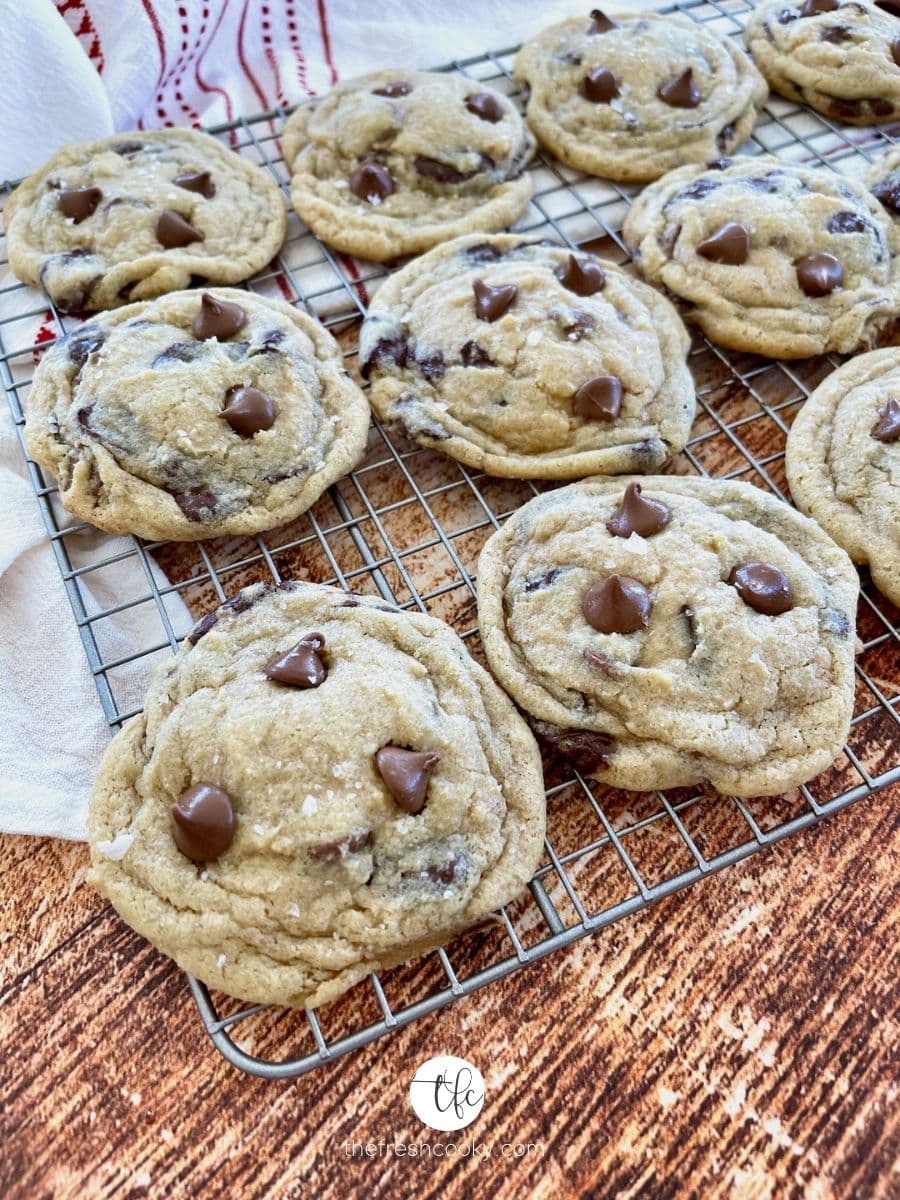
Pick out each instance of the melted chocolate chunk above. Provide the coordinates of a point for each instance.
(617, 604)
(237, 604)
(352, 844)
(811, 8)
(570, 58)
(585, 749)
(248, 411)
(447, 873)
(600, 22)
(836, 34)
(576, 325)
(473, 355)
(819, 274)
(486, 106)
(599, 86)
(270, 342)
(398, 88)
(895, 51)
(762, 587)
(887, 427)
(431, 366)
(638, 514)
(198, 504)
(199, 181)
(581, 276)
(724, 139)
(492, 302)
(372, 182)
(179, 352)
(729, 244)
(432, 168)
(599, 399)
(406, 774)
(849, 222)
(697, 190)
(172, 230)
(483, 252)
(126, 148)
(79, 203)
(203, 822)
(787, 15)
(301, 666)
(680, 92)
(602, 662)
(538, 582)
(79, 346)
(392, 351)
(888, 193)
(217, 318)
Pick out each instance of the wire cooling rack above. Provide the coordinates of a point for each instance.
(408, 525)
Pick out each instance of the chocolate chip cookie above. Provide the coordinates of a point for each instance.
(843, 462)
(523, 358)
(397, 161)
(884, 180)
(137, 214)
(320, 786)
(843, 59)
(665, 632)
(195, 415)
(771, 257)
(631, 97)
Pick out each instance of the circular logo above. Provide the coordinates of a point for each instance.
(447, 1093)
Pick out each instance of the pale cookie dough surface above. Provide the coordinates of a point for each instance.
(499, 395)
(327, 879)
(789, 213)
(884, 180)
(127, 414)
(113, 255)
(636, 135)
(844, 477)
(842, 61)
(709, 689)
(452, 171)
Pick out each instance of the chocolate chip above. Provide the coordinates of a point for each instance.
(392, 351)
(398, 88)
(812, 8)
(888, 193)
(486, 106)
(729, 244)
(887, 427)
(585, 749)
(198, 504)
(600, 22)
(445, 874)
(473, 355)
(638, 514)
(849, 222)
(819, 274)
(599, 86)
(845, 110)
(406, 774)
(895, 51)
(680, 92)
(372, 182)
(199, 181)
(217, 318)
(544, 580)
(340, 848)
(724, 139)
(79, 346)
(301, 666)
(581, 276)
(202, 628)
(431, 168)
(762, 587)
(617, 604)
(172, 230)
(719, 164)
(237, 604)
(79, 203)
(836, 34)
(179, 352)
(697, 190)
(483, 252)
(248, 410)
(431, 366)
(576, 325)
(599, 399)
(492, 302)
(126, 148)
(203, 822)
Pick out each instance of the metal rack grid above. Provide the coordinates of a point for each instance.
(408, 524)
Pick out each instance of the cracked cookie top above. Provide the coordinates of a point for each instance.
(137, 214)
(319, 786)
(396, 161)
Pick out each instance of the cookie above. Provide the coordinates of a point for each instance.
(843, 462)
(884, 180)
(394, 162)
(770, 257)
(195, 415)
(667, 632)
(632, 97)
(138, 214)
(320, 786)
(842, 59)
(521, 358)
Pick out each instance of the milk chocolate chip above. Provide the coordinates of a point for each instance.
(302, 665)
(79, 203)
(819, 274)
(217, 318)
(600, 22)
(248, 410)
(486, 106)
(730, 244)
(406, 774)
(172, 230)
(203, 822)
(895, 51)
(762, 587)
(680, 92)
(617, 604)
(581, 276)
(599, 86)
(398, 88)
(638, 514)
(599, 399)
(812, 7)
(372, 182)
(887, 427)
(198, 181)
(492, 302)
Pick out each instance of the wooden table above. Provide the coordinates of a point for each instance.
(739, 1040)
